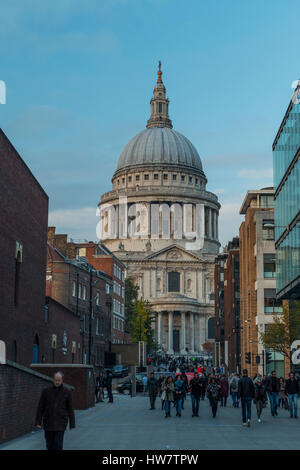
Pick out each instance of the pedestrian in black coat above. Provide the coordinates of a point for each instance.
(54, 410)
(246, 392)
(108, 383)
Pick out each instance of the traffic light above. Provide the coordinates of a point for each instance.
(257, 359)
(248, 357)
(149, 361)
(268, 357)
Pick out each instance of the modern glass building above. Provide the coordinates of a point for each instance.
(286, 162)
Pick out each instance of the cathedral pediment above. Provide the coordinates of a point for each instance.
(174, 253)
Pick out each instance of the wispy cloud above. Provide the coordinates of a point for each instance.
(256, 174)
(79, 223)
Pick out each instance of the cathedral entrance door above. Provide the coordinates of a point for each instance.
(176, 344)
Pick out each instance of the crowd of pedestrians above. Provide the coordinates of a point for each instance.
(182, 379)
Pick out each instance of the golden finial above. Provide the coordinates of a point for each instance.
(159, 73)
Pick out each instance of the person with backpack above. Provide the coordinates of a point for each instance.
(233, 387)
(246, 392)
(260, 397)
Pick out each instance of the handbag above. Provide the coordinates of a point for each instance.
(163, 395)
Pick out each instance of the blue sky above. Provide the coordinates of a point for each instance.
(80, 75)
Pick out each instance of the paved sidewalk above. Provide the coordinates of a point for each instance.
(128, 424)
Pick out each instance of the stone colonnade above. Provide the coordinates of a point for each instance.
(177, 331)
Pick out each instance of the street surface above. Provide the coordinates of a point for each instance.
(128, 424)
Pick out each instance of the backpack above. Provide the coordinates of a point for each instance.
(233, 385)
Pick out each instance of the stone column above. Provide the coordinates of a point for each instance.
(209, 223)
(170, 332)
(196, 335)
(192, 333)
(159, 328)
(183, 343)
(202, 329)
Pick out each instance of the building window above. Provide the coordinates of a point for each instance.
(107, 288)
(266, 201)
(155, 176)
(268, 230)
(165, 176)
(182, 178)
(79, 291)
(74, 288)
(137, 177)
(146, 177)
(190, 179)
(174, 177)
(84, 292)
(123, 180)
(97, 298)
(173, 281)
(196, 181)
(211, 328)
(269, 266)
(129, 179)
(271, 304)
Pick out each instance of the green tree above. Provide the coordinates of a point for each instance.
(141, 325)
(131, 296)
(283, 331)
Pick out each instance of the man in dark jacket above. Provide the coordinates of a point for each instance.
(204, 382)
(292, 390)
(196, 389)
(273, 388)
(152, 390)
(108, 383)
(246, 393)
(54, 410)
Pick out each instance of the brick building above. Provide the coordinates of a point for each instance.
(219, 344)
(85, 291)
(257, 280)
(23, 240)
(227, 307)
(101, 259)
(232, 306)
